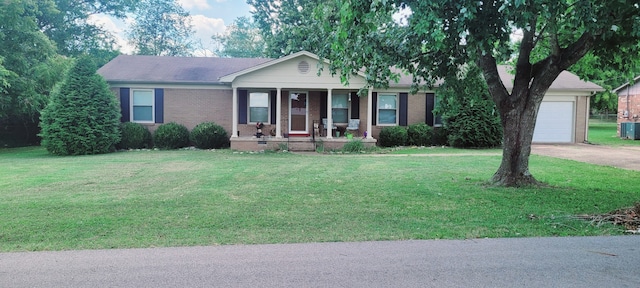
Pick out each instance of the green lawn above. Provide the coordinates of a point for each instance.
(186, 197)
(606, 133)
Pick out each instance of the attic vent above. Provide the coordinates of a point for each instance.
(303, 67)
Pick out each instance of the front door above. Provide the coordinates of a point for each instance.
(298, 113)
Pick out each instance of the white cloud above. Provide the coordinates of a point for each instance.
(200, 4)
(206, 27)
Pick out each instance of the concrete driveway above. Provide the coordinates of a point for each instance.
(624, 157)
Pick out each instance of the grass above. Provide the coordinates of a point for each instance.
(605, 133)
(181, 198)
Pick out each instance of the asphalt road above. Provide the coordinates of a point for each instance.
(521, 262)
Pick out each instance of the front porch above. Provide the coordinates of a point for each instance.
(294, 143)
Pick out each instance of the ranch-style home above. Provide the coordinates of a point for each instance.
(299, 107)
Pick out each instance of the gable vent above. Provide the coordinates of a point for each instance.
(303, 67)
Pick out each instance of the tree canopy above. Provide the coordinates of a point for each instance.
(289, 26)
(161, 27)
(241, 39)
(433, 39)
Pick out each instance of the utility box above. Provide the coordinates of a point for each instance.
(630, 130)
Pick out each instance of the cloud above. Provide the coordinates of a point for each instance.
(206, 27)
(190, 4)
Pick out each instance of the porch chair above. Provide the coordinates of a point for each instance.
(327, 130)
(354, 125)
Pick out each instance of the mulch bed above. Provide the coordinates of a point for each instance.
(629, 218)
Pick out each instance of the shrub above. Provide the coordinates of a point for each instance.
(209, 135)
(419, 134)
(171, 136)
(393, 136)
(82, 116)
(477, 126)
(439, 136)
(468, 113)
(134, 136)
(353, 146)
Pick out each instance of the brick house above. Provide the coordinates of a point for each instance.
(628, 102)
(297, 104)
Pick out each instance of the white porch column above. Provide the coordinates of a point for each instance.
(329, 116)
(279, 112)
(234, 112)
(369, 104)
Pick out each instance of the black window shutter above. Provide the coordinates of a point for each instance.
(242, 106)
(374, 108)
(355, 106)
(159, 105)
(274, 102)
(430, 105)
(323, 104)
(404, 107)
(125, 105)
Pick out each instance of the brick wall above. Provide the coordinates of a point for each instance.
(629, 105)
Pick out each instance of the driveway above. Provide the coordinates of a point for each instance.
(624, 157)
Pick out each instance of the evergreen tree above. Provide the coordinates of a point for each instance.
(82, 116)
(468, 112)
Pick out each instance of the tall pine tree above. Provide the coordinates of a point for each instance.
(82, 116)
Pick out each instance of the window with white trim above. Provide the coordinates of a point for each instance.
(340, 108)
(259, 107)
(142, 105)
(387, 109)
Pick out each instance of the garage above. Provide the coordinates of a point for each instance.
(555, 122)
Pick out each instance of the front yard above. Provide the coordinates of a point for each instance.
(201, 197)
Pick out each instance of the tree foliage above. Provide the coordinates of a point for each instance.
(433, 39)
(242, 39)
(289, 26)
(82, 116)
(29, 65)
(68, 24)
(161, 27)
(468, 112)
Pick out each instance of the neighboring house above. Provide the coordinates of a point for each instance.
(291, 98)
(628, 102)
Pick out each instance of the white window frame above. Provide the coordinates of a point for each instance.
(268, 106)
(153, 106)
(378, 109)
(348, 108)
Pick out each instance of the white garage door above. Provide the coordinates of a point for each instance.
(555, 123)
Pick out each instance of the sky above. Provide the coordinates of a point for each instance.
(209, 17)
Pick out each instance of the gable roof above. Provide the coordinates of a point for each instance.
(212, 70)
(565, 81)
(230, 77)
(635, 80)
(175, 70)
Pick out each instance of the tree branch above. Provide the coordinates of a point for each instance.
(487, 64)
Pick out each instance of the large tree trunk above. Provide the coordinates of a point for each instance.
(518, 123)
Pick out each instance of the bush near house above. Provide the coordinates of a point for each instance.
(439, 136)
(393, 136)
(419, 134)
(468, 113)
(209, 135)
(353, 146)
(171, 136)
(134, 136)
(82, 116)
